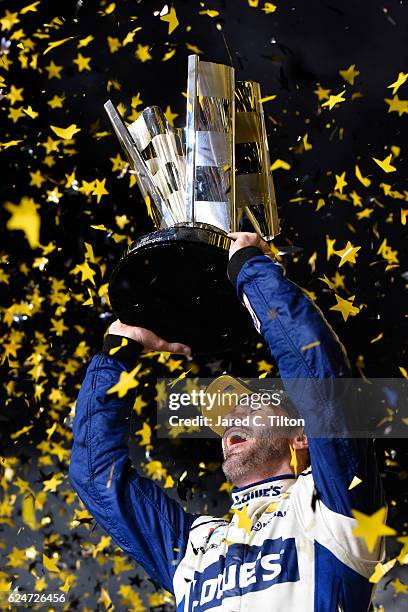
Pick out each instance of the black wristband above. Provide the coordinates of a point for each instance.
(122, 348)
(238, 259)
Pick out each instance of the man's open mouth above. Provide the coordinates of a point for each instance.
(234, 438)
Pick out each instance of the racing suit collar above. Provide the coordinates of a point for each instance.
(274, 485)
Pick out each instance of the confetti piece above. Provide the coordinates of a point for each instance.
(371, 527)
(399, 587)
(380, 570)
(82, 62)
(99, 189)
(170, 117)
(142, 53)
(349, 74)
(311, 345)
(50, 564)
(171, 19)
(57, 43)
(354, 483)
(402, 77)
(293, 459)
(209, 13)
(65, 133)
(84, 42)
(24, 216)
(244, 521)
(348, 254)
(280, 164)
(266, 99)
(28, 511)
(9, 20)
(269, 8)
(403, 371)
(127, 381)
(385, 164)
(145, 433)
(10, 143)
(30, 112)
(345, 307)
(334, 100)
(29, 8)
(395, 105)
(340, 182)
(363, 179)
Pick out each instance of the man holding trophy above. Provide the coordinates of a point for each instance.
(290, 543)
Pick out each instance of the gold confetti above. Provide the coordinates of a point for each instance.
(349, 74)
(50, 564)
(171, 19)
(345, 307)
(280, 164)
(24, 216)
(402, 78)
(65, 133)
(244, 521)
(385, 164)
(371, 527)
(334, 100)
(57, 43)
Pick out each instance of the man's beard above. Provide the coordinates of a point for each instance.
(241, 464)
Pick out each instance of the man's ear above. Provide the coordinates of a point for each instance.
(299, 442)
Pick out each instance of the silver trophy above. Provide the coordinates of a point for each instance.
(199, 183)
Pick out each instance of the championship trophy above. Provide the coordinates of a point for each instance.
(199, 183)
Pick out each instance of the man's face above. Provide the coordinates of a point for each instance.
(247, 448)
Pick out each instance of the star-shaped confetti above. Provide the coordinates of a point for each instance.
(24, 216)
(402, 78)
(334, 100)
(395, 105)
(349, 74)
(99, 189)
(345, 307)
(385, 164)
(371, 527)
(244, 521)
(348, 254)
(340, 182)
(171, 19)
(127, 381)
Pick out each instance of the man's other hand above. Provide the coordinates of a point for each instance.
(246, 239)
(150, 341)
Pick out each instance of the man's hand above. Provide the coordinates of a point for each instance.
(149, 339)
(246, 239)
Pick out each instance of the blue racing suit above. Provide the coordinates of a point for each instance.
(300, 553)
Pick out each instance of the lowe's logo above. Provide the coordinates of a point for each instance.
(245, 569)
(240, 499)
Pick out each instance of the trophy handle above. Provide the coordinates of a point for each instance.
(146, 185)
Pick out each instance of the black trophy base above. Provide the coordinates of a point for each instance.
(174, 282)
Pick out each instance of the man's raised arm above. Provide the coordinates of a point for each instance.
(305, 347)
(141, 519)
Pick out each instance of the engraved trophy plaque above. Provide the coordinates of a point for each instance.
(199, 183)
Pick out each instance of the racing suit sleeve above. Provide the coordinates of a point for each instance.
(146, 523)
(290, 323)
